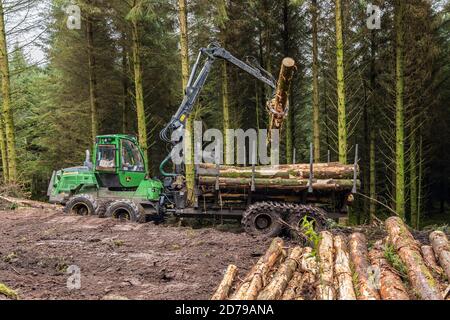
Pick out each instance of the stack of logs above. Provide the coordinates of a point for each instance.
(326, 176)
(345, 269)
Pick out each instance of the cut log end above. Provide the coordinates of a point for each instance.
(288, 62)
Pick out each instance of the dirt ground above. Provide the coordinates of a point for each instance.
(116, 259)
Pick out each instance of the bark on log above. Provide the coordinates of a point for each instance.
(441, 247)
(257, 277)
(309, 267)
(223, 290)
(343, 273)
(409, 251)
(389, 283)
(320, 171)
(430, 259)
(277, 183)
(279, 104)
(274, 290)
(358, 255)
(325, 288)
(294, 287)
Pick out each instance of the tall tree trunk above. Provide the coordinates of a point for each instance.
(342, 117)
(92, 78)
(413, 179)
(372, 130)
(139, 94)
(399, 118)
(290, 118)
(419, 181)
(6, 96)
(315, 71)
(372, 177)
(225, 108)
(3, 151)
(189, 156)
(125, 88)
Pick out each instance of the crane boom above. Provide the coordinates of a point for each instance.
(198, 79)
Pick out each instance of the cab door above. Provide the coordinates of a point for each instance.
(131, 164)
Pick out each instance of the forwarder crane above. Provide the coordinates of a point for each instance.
(196, 83)
(115, 183)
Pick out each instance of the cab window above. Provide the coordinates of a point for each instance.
(106, 158)
(132, 159)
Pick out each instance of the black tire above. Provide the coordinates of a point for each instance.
(81, 204)
(125, 210)
(296, 216)
(102, 207)
(264, 219)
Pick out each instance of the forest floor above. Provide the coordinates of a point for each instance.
(117, 260)
(121, 260)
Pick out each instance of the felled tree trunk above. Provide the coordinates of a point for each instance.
(274, 290)
(277, 183)
(389, 283)
(441, 247)
(294, 287)
(342, 270)
(279, 104)
(325, 288)
(358, 255)
(420, 276)
(223, 290)
(430, 259)
(320, 171)
(257, 277)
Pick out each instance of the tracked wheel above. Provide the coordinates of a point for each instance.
(125, 210)
(82, 205)
(102, 207)
(264, 219)
(299, 213)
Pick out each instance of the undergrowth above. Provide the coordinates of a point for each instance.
(8, 292)
(394, 260)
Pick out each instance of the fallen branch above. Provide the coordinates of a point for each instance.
(27, 203)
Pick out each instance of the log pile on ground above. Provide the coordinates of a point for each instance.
(347, 267)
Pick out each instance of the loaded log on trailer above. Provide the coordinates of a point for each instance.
(115, 181)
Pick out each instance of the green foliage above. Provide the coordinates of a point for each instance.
(394, 260)
(7, 292)
(307, 228)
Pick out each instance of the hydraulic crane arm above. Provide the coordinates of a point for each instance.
(198, 78)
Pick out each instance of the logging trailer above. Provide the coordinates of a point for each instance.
(115, 183)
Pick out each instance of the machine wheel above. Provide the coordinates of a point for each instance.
(264, 218)
(102, 207)
(298, 213)
(82, 204)
(126, 210)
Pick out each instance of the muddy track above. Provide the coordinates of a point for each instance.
(116, 259)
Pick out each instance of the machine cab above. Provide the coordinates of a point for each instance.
(119, 162)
